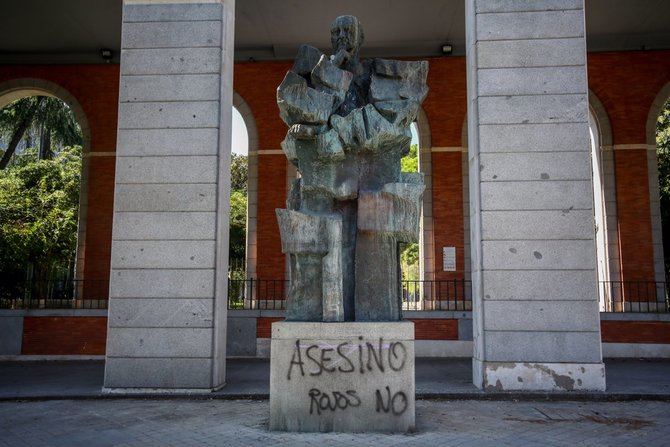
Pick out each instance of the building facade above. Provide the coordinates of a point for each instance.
(540, 164)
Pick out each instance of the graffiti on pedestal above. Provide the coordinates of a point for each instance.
(360, 357)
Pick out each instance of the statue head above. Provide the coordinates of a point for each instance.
(346, 33)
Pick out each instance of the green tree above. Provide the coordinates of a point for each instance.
(239, 172)
(238, 211)
(39, 205)
(410, 162)
(409, 256)
(51, 118)
(238, 224)
(663, 147)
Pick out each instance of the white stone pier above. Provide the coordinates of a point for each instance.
(167, 314)
(535, 310)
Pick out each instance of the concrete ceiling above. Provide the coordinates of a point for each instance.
(68, 31)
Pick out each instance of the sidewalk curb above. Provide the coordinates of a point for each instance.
(481, 396)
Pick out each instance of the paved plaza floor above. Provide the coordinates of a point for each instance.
(250, 378)
(217, 422)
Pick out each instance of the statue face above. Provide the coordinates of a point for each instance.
(346, 34)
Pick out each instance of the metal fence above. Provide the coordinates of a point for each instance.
(270, 294)
(257, 294)
(453, 294)
(634, 296)
(61, 294)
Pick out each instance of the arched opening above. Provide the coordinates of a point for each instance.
(243, 205)
(411, 254)
(44, 140)
(658, 161)
(663, 167)
(416, 259)
(604, 205)
(599, 213)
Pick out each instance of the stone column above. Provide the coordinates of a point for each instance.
(536, 320)
(167, 313)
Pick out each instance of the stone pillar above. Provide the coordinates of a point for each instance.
(536, 320)
(167, 313)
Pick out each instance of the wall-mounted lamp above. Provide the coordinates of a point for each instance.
(106, 54)
(447, 49)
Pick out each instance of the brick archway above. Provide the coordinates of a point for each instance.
(654, 193)
(16, 89)
(252, 182)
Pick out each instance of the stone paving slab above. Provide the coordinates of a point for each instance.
(136, 422)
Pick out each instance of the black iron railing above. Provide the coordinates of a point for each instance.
(270, 294)
(257, 294)
(452, 294)
(634, 296)
(50, 294)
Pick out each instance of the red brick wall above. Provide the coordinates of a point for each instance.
(635, 331)
(256, 83)
(64, 335)
(446, 108)
(264, 326)
(435, 329)
(96, 89)
(635, 240)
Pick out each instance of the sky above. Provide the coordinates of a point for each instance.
(240, 143)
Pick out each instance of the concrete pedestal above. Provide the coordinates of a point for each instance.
(344, 377)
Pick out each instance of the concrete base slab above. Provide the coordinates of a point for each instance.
(342, 377)
(528, 376)
(160, 391)
(636, 350)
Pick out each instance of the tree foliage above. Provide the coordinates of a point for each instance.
(238, 208)
(663, 147)
(409, 256)
(410, 162)
(47, 118)
(239, 171)
(39, 205)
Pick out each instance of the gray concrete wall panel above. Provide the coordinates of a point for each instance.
(162, 115)
(167, 373)
(241, 339)
(539, 285)
(159, 342)
(158, 313)
(161, 142)
(537, 225)
(164, 225)
(195, 34)
(500, 167)
(546, 347)
(185, 169)
(170, 61)
(192, 87)
(532, 81)
(165, 197)
(172, 12)
(163, 254)
(533, 109)
(537, 195)
(533, 138)
(530, 53)
(11, 335)
(541, 316)
(526, 5)
(538, 255)
(153, 283)
(530, 25)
